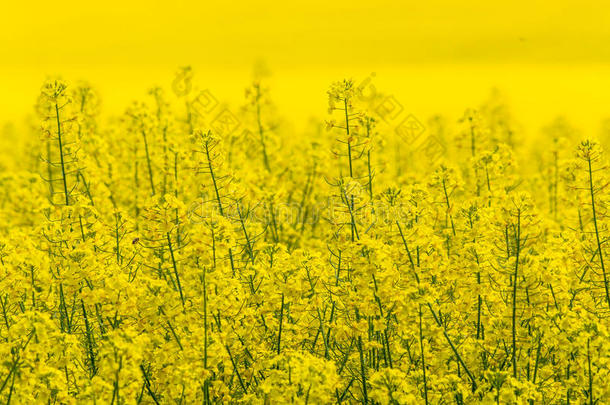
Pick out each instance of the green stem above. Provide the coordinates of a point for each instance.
(260, 128)
(150, 172)
(423, 359)
(599, 244)
(171, 251)
(279, 334)
(61, 155)
(515, 282)
(365, 398)
(590, 374)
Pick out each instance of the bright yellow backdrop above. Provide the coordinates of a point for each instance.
(548, 57)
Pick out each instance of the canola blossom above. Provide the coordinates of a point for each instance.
(167, 256)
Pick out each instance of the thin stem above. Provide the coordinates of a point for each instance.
(590, 374)
(261, 131)
(150, 172)
(61, 155)
(423, 359)
(171, 252)
(599, 244)
(279, 334)
(514, 309)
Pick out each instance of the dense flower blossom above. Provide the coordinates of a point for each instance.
(162, 258)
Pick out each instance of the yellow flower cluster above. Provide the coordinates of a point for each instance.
(171, 256)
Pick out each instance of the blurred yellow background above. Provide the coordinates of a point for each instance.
(548, 58)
